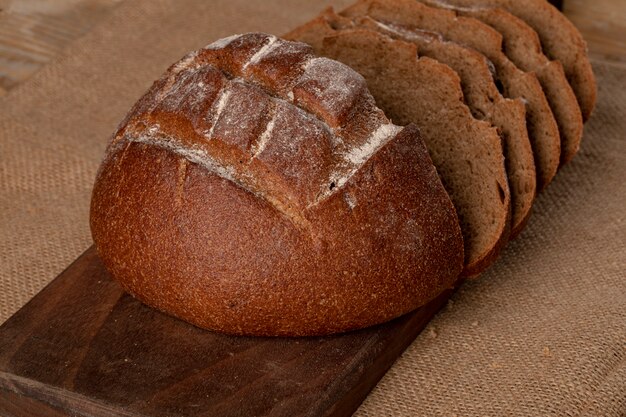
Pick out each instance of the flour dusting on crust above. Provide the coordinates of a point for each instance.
(359, 155)
(356, 157)
(271, 44)
(264, 138)
(222, 43)
(219, 108)
(305, 137)
(197, 156)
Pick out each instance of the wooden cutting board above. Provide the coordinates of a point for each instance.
(84, 347)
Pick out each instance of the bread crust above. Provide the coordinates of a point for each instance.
(228, 230)
(559, 39)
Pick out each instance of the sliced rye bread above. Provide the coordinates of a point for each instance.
(485, 103)
(542, 127)
(523, 47)
(560, 40)
(467, 152)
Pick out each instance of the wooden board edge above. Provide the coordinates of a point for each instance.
(23, 397)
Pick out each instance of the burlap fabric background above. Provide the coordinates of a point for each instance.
(543, 333)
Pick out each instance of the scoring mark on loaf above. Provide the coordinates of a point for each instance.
(265, 136)
(355, 158)
(197, 156)
(219, 108)
(180, 183)
(265, 49)
(360, 154)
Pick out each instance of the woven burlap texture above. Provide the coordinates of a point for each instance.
(542, 333)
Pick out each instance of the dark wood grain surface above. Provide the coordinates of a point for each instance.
(84, 347)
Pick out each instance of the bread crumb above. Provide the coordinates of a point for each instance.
(432, 333)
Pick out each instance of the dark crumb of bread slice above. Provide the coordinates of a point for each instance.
(467, 152)
(560, 40)
(485, 103)
(542, 128)
(523, 47)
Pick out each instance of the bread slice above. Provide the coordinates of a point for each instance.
(542, 128)
(486, 103)
(560, 40)
(523, 47)
(467, 152)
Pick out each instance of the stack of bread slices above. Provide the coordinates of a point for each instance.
(498, 88)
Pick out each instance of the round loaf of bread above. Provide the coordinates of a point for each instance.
(257, 189)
